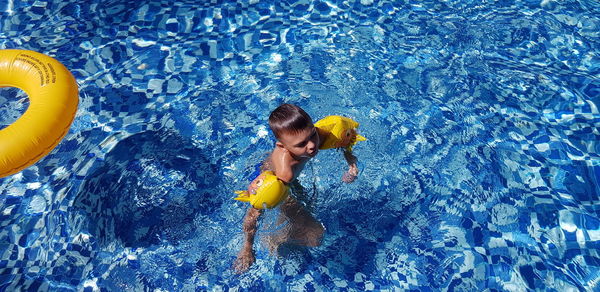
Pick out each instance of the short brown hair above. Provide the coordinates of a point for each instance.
(289, 119)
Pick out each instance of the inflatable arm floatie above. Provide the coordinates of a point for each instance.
(341, 132)
(269, 193)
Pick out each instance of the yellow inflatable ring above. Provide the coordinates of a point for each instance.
(53, 99)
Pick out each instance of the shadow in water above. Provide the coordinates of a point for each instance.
(358, 230)
(149, 188)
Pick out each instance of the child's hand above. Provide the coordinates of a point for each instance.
(244, 260)
(350, 175)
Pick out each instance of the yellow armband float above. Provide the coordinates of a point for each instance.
(270, 192)
(341, 132)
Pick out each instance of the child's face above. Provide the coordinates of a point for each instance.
(304, 144)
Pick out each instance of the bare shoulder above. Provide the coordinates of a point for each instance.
(281, 163)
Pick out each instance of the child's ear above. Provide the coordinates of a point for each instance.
(279, 144)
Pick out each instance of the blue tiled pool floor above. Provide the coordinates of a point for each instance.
(481, 171)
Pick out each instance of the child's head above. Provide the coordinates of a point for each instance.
(294, 130)
(289, 119)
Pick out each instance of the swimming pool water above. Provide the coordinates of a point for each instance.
(481, 170)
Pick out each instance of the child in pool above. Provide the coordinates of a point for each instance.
(298, 140)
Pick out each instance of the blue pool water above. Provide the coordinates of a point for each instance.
(482, 168)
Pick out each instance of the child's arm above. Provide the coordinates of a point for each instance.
(246, 258)
(282, 164)
(352, 172)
